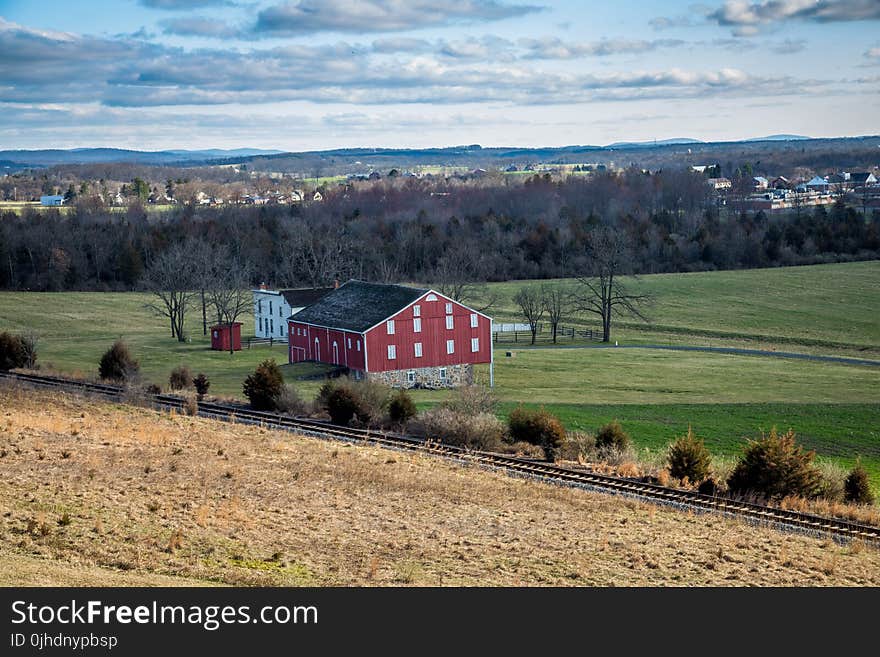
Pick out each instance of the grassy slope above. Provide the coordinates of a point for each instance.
(182, 499)
(655, 394)
(790, 306)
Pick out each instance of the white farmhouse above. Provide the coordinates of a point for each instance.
(273, 307)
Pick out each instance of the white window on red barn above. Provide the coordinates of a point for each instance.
(450, 322)
(417, 311)
(475, 344)
(431, 297)
(450, 346)
(358, 345)
(392, 352)
(349, 343)
(443, 373)
(475, 320)
(389, 325)
(417, 325)
(448, 308)
(418, 349)
(411, 376)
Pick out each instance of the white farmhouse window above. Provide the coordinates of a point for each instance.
(448, 308)
(260, 306)
(450, 321)
(280, 314)
(475, 344)
(392, 352)
(450, 346)
(261, 324)
(475, 320)
(270, 307)
(390, 326)
(417, 325)
(271, 326)
(418, 349)
(417, 311)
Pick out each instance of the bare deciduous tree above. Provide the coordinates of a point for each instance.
(531, 304)
(316, 256)
(170, 279)
(455, 274)
(602, 290)
(228, 289)
(557, 300)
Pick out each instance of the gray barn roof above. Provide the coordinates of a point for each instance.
(357, 305)
(300, 297)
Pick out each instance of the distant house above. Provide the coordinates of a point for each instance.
(719, 183)
(781, 182)
(273, 307)
(818, 184)
(53, 200)
(863, 179)
(760, 183)
(297, 196)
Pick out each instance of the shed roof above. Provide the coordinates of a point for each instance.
(358, 305)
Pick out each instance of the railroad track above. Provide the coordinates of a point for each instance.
(757, 513)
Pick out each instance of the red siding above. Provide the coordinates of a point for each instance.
(220, 337)
(433, 337)
(307, 342)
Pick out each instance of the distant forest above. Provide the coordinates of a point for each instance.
(421, 230)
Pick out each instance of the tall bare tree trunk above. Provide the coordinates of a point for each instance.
(204, 314)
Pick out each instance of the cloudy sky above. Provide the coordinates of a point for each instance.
(317, 74)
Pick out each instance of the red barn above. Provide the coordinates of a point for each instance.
(224, 334)
(399, 335)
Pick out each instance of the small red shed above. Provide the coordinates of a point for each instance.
(222, 335)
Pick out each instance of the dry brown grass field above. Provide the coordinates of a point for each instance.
(93, 493)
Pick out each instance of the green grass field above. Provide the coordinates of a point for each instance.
(820, 307)
(656, 394)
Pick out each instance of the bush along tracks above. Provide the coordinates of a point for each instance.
(838, 529)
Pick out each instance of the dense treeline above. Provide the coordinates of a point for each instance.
(422, 230)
